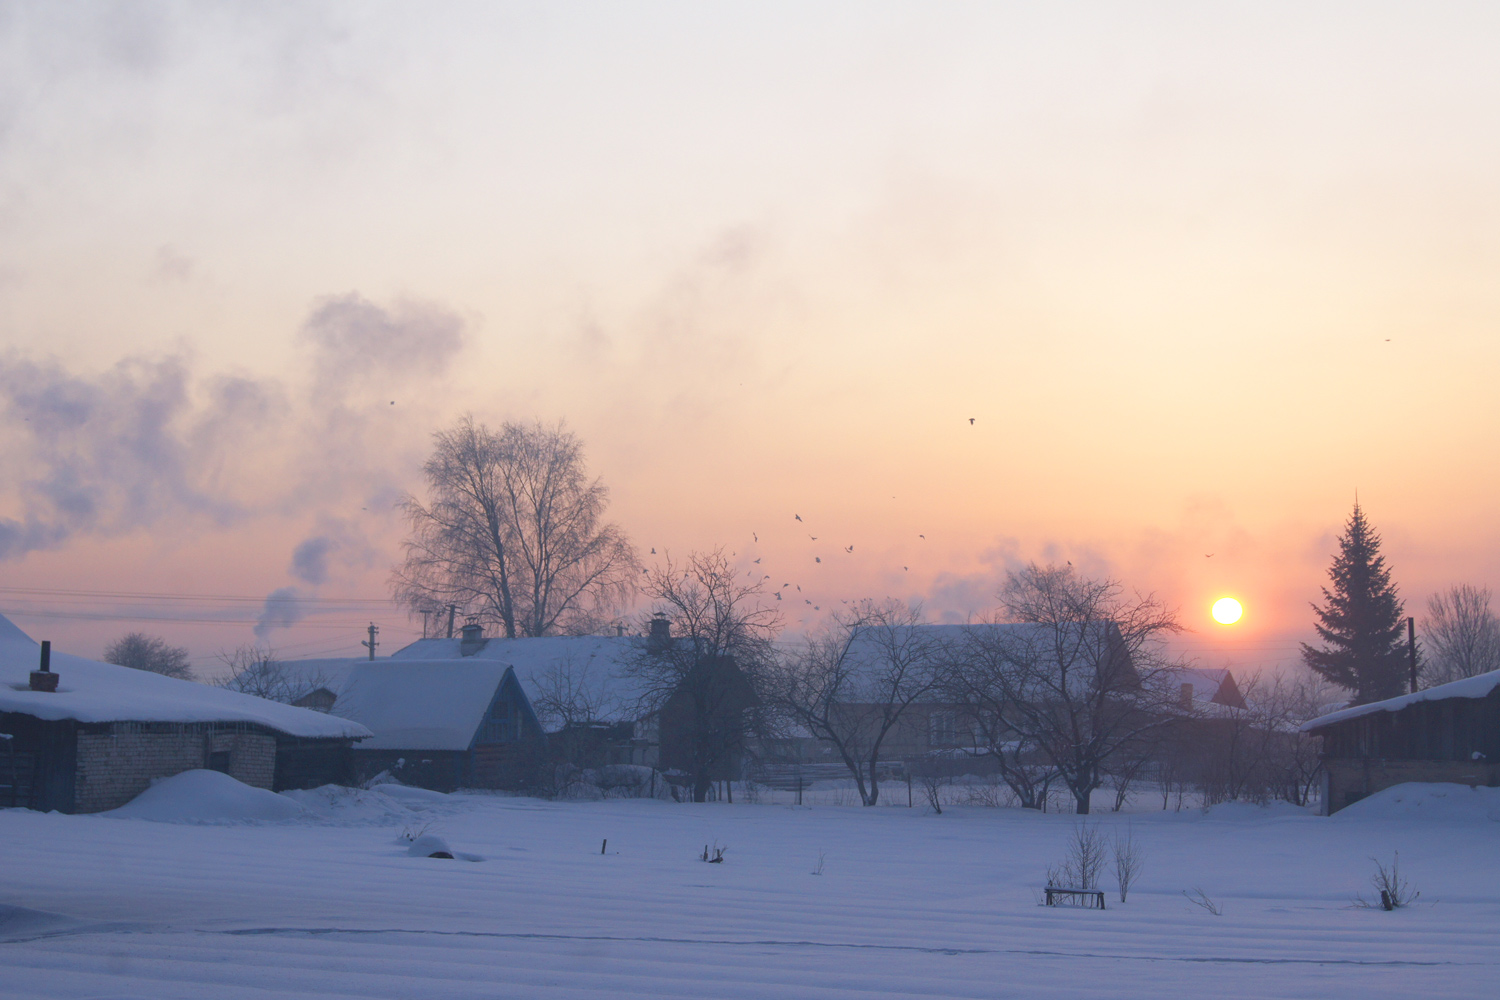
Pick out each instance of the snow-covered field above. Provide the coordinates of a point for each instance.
(329, 903)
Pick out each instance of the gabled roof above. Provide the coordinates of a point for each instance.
(420, 704)
(601, 663)
(1480, 686)
(1210, 685)
(90, 691)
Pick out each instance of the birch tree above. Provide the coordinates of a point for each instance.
(513, 530)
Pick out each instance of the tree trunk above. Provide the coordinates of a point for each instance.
(1081, 803)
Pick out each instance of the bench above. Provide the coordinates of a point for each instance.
(1092, 899)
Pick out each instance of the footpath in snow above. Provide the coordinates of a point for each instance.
(198, 889)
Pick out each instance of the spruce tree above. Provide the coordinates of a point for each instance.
(1361, 621)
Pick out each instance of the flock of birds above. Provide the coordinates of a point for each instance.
(817, 560)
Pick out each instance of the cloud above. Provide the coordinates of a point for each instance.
(148, 443)
(356, 339)
(115, 452)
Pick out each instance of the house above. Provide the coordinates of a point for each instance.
(1448, 733)
(1199, 687)
(583, 702)
(79, 736)
(443, 725)
(483, 713)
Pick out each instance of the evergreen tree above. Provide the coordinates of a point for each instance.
(1361, 622)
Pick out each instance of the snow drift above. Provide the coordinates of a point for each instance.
(207, 797)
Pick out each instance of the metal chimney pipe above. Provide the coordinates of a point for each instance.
(46, 666)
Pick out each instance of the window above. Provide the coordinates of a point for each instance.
(500, 726)
(218, 760)
(942, 729)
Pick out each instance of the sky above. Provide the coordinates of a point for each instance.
(1154, 289)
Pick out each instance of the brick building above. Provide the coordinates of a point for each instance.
(89, 736)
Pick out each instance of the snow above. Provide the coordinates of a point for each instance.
(206, 797)
(419, 705)
(1441, 803)
(600, 664)
(1479, 686)
(908, 904)
(90, 691)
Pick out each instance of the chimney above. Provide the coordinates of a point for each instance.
(43, 679)
(619, 629)
(472, 640)
(659, 639)
(1185, 697)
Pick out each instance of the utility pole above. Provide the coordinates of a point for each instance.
(425, 613)
(452, 609)
(1411, 650)
(370, 643)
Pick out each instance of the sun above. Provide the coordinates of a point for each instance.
(1227, 611)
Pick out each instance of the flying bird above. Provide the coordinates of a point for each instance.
(1208, 555)
(849, 549)
(817, 559)
(971, 421)
(922, 536)
(754, 536)
(653, 552)
(757, 560)
(778, 595)
(907, 568)
(813, 537)
(797, 516)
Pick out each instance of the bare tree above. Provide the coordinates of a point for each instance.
(702, 667)
(971, 681)
(1130, 858)
(1088, 678)
(1461, 634)
(569, 693)
(852, 684)
(152, 653)
(514, 531)
(258, 671)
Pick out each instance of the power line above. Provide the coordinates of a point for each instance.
(146, 596)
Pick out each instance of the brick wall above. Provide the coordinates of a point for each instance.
(116, 766)
(1350, 779)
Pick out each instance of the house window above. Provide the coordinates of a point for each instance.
(942, 729)
(498, 727)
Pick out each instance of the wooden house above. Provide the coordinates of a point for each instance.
(1447, 733)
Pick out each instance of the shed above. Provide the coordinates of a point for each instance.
(108, 731)
(1448, 733)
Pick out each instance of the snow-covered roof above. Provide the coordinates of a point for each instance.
(331, 672)
(90, 691)
(420, 704)
(1470, 687)
(599, 663)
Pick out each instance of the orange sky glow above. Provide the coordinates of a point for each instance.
(1196, 274)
